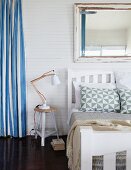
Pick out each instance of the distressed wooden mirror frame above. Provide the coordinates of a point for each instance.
(95, 6)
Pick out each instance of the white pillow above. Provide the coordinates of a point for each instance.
(91, 85)
(123, 80)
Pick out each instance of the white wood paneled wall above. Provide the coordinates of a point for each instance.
(48, 27)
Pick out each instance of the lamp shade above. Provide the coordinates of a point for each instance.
(55, 80)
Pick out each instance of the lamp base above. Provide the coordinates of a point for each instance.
(44, 106)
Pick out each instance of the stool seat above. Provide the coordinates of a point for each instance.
(51, 109)
(41, 121)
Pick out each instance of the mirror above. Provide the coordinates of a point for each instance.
(102, 32)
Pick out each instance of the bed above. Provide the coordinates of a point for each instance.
(97, 140)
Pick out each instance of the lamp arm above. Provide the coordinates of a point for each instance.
(39, 93)
(39, 78)
(48, 72)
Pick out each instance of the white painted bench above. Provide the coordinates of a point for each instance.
(107, 143)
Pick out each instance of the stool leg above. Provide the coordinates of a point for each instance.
(54, 119)
(35, 135)
(35, 125)
(42, 129)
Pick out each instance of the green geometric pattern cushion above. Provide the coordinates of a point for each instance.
(125, 99)
(104, 100)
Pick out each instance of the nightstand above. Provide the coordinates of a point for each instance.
(40, 122)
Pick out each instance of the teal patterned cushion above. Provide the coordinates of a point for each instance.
(104, 100)
(125, 99)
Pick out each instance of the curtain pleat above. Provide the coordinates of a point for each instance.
(12, 71)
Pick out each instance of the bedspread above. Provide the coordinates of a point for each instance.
(73, 139)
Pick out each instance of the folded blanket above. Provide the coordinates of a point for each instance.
(74, 159)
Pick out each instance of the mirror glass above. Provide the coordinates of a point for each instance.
(104, 30)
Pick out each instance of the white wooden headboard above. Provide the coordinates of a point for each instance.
(87, 77)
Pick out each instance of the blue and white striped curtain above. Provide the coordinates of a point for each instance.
(12, 70)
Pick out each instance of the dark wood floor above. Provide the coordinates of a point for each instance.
(27, 154)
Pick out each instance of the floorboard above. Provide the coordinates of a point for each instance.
(27, 154)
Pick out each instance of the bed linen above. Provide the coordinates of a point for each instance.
(78, 115)
(99, 121)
